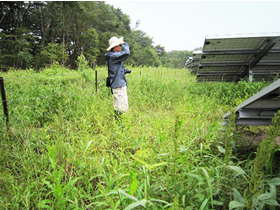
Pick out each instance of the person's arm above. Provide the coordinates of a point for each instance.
(120, 56)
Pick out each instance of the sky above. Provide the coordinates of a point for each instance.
(183, 25)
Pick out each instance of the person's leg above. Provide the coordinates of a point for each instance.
(120, 99)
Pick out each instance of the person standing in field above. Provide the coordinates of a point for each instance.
(118, 52)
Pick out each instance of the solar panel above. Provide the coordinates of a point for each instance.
(214, 78)
(195, 60)
(266, 73)
(192, 67)
(225, 69)
(277, 45)
(188, 62)
(240, 55)
(197, 54)
(260, 108)
(268, 68)
(232, 44)
(265, 77)
(233, 58)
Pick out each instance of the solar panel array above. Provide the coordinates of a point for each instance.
(188, 63)
(235, 58)
(193, 61)
(260, 108)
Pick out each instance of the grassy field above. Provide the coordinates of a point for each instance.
(64, 149)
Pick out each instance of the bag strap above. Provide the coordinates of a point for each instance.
(108, 66)
(109, 74)
(108, 70)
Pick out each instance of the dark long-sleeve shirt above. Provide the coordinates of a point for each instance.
(116, 68)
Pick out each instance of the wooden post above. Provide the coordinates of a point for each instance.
(4, 100)
(96, 80)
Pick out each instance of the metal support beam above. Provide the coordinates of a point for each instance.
(268, 64)
(269, 44)
(218, 73)
(237, 52)
(224, 64)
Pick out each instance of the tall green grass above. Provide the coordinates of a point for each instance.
(64, 150)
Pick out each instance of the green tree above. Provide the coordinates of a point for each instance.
(17, 41)
(53, 53)
(178, 58)
(163, 56)
(89, 45)
(143, 53)
(36, 34)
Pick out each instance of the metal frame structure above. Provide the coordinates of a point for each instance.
(260, 108)
(240, 57)
(195, 61)
(188, 63)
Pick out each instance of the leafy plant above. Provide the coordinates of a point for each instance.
(254, 197)
(82, 63)
(64, 149)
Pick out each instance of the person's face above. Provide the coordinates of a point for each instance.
(117, 48)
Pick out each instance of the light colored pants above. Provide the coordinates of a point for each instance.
(120, 99)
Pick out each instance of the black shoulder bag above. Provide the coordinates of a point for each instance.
(108, 79)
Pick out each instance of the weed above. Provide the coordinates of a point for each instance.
(64, 150)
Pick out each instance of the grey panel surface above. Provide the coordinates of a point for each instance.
(195, 61)
(260, 108)
(205, 59)
(222, 69)
(241, 55)
(271, 57)
(265, 77)
(228, 44)
(197, 54)
(217, 78)
(266, 68)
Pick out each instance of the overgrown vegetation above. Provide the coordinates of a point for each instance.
(64, 150)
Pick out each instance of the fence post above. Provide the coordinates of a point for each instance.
(96, 80)
(4, 100)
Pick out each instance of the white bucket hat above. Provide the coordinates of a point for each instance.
(114, 41)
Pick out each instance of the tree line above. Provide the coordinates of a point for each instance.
(36, 34)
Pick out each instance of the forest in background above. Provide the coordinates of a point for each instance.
(37, 34)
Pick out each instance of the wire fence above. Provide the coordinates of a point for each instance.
(7, 78)
(63, 74)
(5, 100)
(31, 98)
